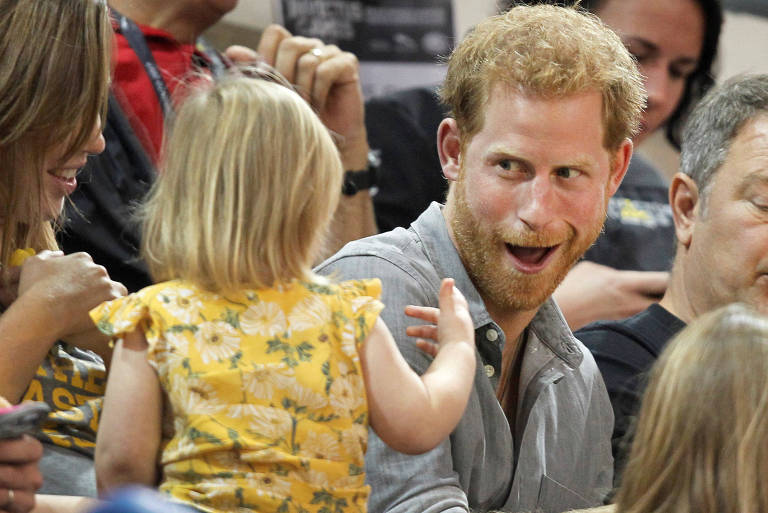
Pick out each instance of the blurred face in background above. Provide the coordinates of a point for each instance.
(666, 37)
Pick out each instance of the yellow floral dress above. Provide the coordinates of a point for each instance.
(265, 391)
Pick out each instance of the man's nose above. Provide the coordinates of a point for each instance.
(537, 204)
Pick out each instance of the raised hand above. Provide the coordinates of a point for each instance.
(451, 323)
(66, 287)
(19, 474)
(328, 78)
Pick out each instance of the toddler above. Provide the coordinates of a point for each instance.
(243, 381)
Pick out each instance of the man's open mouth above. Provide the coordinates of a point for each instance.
(530, 259)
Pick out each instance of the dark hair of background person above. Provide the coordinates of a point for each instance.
(697, 84)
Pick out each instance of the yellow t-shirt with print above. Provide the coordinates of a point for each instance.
(265, 388)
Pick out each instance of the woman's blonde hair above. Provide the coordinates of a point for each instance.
(249, 181)
(701, 444)
(54, 81)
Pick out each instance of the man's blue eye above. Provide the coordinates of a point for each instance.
(568, 172)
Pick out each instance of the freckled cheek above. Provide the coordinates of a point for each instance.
(491, 201)
(583, 209)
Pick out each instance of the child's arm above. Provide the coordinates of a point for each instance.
(130, 427)
(412, 413)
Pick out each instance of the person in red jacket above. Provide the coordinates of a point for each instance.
(158, 47)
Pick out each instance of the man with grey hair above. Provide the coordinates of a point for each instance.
(719, 202)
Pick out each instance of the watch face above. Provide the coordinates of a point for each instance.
(348, 187)
(355, 181)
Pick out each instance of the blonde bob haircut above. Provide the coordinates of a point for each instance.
(249, 181)
(701, 444)
(546, 51)
(54, 81)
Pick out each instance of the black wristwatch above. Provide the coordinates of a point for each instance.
(355, 181)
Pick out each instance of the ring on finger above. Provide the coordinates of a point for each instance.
(317, 52)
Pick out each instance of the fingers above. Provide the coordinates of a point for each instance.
(20, 450)
(307, 70)
(242, 55)
(445, 296)
(339, 70)
(270, 41)
(424, 331)
(9, 285)
(450, 297)
(20, 477)
(19, 472)
(425, 313)
(21, 501)
(118, 289)
(307, 62)
(428, 347)
(289, 52)
(10, 275)
(45, 255)
(458, 299)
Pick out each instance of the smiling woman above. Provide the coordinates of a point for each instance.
(54, 88)
(54, 76)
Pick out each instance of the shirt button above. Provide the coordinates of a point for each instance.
(489, 371)
(492, 335)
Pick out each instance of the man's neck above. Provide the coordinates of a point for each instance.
(676, 300)
(183, 19)
(511, 323)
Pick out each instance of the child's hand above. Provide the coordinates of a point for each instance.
(451, 323)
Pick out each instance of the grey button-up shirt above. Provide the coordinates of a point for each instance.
(558, 459)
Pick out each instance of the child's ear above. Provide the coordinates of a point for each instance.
(449, 148)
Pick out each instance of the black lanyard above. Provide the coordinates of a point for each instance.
(138, 43)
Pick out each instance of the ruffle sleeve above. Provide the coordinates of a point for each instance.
(121, 316)
(363, 305)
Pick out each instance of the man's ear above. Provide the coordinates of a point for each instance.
(684, 198)
(449, 148)
(620, 164)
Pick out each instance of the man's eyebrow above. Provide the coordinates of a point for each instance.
(752, 180)
(578, 161)
(582, 161)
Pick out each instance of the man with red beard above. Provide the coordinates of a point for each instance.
(544, 100)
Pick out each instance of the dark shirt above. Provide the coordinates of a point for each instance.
(639, 234)
(624, 351)
(403, 126)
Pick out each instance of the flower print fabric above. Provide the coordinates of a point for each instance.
(265, 390)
